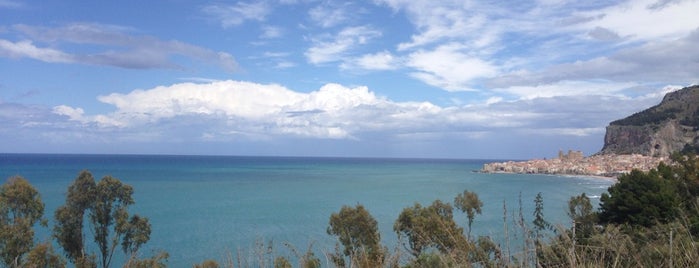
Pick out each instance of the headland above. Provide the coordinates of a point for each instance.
(574, 163)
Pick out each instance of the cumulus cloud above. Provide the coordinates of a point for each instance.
(236, 108)
(135, 51)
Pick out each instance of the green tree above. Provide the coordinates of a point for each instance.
(20, 208)
(430, 227)
(43, 255)
(584, 219)
(105, 204)
(68, 229)
(111, 200)
(540, 223)
(358, 233)
(469, 203)
(640, 199)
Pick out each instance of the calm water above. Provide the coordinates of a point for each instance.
(206, 207)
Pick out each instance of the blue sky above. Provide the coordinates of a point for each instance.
(384, 78)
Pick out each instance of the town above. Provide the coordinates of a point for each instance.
(574, 163)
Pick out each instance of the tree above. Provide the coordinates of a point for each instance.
(20, 208)
(584, 219)
(358, 233)
(111, 199)
(430, 227)
(42, 255)
(540, 224)
(105, 204)
(68, 229)
(641, 199)
(469, 203)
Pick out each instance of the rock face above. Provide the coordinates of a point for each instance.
(672, 125)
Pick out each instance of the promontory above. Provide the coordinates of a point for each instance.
(640, 141)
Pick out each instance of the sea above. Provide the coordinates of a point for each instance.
(230, 207)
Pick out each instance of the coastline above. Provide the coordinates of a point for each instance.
(600, 166)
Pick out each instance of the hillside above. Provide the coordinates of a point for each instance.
(672, 125)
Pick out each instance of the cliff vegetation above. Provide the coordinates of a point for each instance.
(670, 126)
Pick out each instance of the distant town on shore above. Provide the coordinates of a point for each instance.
(574, 163)
(640, 141)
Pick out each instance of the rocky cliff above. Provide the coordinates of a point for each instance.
(672, 125)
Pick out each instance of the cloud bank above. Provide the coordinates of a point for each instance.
(235, 109)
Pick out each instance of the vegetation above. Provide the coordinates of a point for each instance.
(105, 204)
(358, 232)
(20, 208)
(654, 115)
(469, 203)
(647, 219)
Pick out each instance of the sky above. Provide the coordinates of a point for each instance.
(383, 78)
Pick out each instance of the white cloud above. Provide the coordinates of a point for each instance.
(645, 19)
(449, 68)
(378, 61)
(335, 48)
(134, 51)
(236, 14)
(567, 88)
(23, 49)
(330, 14)
(75, 114)
(664, 61)
(270, 32)
(548, 42)
(220, 109)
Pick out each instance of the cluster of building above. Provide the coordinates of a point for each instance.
(574, 163)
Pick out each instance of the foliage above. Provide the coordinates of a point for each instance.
(207, 264)
(358, 233)
(68, 229)
(105, 205)
(157, 261)
(584, 219)
(430, 227)
(469, 203)
(648, 219)
(20, 208)
(640, 199)
(43, 255)
(282, 262)
(653, 115)
(540, 223)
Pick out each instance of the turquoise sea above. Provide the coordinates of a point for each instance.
(211, 207)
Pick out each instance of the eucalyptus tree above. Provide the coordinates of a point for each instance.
(469, 203)
(430, 227)
(358, 232)
(20, 208)
(105, 205)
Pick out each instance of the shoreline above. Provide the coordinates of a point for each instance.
(608, 166)
(597, 177)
